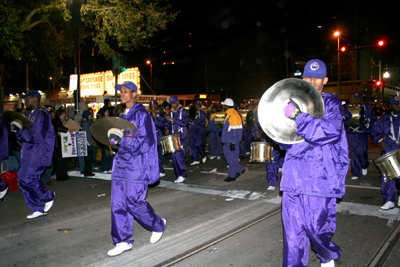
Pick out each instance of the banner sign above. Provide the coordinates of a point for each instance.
(74, 144)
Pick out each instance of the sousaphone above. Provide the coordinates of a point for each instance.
(270, 109)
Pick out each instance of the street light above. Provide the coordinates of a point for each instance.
(337, 34)
(148, 62)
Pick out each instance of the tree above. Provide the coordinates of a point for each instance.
(39, 31)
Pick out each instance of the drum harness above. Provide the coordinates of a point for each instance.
(180, 117)
(392, 132)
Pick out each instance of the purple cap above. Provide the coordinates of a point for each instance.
(128, 84)
(32, 93)
(394, 100)
(173, 99)
(153, 102)
(315, 68)
(197, 103)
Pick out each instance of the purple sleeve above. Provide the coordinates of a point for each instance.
(323, 131)
(34, 135)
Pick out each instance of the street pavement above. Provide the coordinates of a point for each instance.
(209, 222)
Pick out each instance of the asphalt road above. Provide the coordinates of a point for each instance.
(209, 223)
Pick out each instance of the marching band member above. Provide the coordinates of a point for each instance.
(214, 141)
(3, 155)
(249, 130)
(232, 135)
(178, 120)
(313, 177)
(160, 122)
(135, 167)
(37, 140)
(386, 132)
(196, 135)
(357, 136)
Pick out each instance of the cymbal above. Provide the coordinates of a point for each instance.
(270, 110)
(101, 126)
(9, 116)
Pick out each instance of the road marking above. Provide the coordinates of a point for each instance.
(363, 187)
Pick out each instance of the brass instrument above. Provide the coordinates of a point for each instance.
(101, 127)
(9, 116)
(270, 109)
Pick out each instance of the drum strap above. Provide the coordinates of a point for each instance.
(393, 136)
(180, 108)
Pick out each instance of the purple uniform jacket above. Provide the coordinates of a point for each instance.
(38, 141)
(137, 158)
(200, 120)
(211, 124)
(384, 127)
(160, 122)
(232, 132)
(181, 120)
(4, 141)
(318, 165)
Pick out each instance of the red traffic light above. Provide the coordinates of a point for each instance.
(343, 49)
(378, 83)
(381, 43)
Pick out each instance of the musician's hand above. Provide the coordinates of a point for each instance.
(115, 135)
(232, 146)
(292, 110)
(129, 132)
(383, 144)
(169, 118)
(15, 127)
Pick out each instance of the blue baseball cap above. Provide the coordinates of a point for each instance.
(173, 99)
(32, 93)
(153, 102)
(128, 84)
(315, 68)
(394, 100)
(197, 103)
(358, 95)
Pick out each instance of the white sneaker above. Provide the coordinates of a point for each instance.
(180, 179)
(156, 236)
(105, 172)
(194, 163)
(4, 192)
(364, 171)
(355, 178)
(388, 205)
(48, 205)
(218, 157)
(272, 188)
(328, 264)
(280, 170)
(110, 171)
(36, 214)
(162, 174)
(212, 157)
(204, 159)
(119, 248)
(247, 153)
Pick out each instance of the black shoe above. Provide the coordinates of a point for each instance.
(229, 179)
(90, 174)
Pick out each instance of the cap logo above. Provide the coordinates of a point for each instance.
(314, 66)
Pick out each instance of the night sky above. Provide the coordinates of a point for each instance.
(243, 47)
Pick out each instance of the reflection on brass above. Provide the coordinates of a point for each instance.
(9, 116)
(270, 109)
(101, 126)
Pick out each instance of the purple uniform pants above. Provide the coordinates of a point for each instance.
(232, 158)
(35, 193)
(196, 144)
(389, 189)
(358, 147)
(215, 144)
(308, 218)
(179, 160)
(273, 168)
(3, 185)
(128, 202)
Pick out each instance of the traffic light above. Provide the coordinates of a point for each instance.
(343, 49)
(118, 64)
(381, 43)
(378, 83)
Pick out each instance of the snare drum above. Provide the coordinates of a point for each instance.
(170, 143)
(389, 164)
(219, 119)
(261, 152)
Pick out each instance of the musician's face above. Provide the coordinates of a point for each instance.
(395, 108)
(31, 102)
(175, 106)
(317, 83)
(127, 95)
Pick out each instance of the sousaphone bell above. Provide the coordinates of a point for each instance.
(270, 109)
